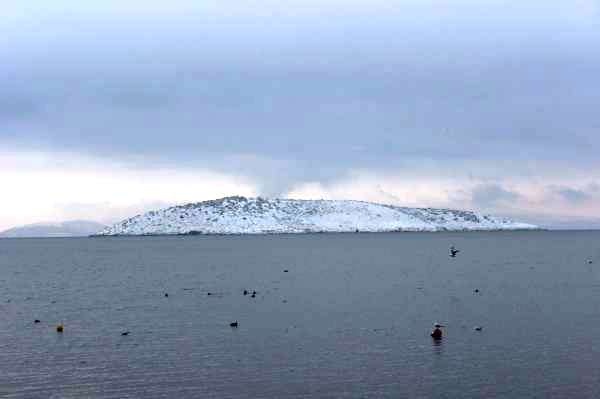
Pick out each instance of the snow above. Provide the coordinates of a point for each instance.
(240, 215)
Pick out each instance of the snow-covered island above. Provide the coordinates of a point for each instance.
(240, 215)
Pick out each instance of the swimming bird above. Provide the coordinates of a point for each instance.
(166, 295)
(285, 271)
(125, 333)
(60, 328)
(245, 292)
(234, 324)
(437, 332)
(453, 251)
(478, 328)
(476, 290)
(36, 321)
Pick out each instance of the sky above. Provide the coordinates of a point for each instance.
(111, 108)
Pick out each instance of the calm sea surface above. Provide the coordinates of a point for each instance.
(350, 318)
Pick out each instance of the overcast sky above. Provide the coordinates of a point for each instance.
(109, 108)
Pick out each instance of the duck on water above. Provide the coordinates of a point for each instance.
(437, 331)
(453, 251)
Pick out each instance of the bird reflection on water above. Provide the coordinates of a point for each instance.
(438, 346)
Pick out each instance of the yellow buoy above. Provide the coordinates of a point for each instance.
(60, 328)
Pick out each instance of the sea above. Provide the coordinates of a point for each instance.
(333, 316)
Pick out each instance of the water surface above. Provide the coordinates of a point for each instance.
(350, 318)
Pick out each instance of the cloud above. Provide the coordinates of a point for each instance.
(490, 195)
(48, 186)
(104, 212)
(572, 195)
(281, 82)
(53, 187)
(368, 185)
(575, 196)
(14, 108)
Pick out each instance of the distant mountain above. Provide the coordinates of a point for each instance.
(74, 228)
(239, 215)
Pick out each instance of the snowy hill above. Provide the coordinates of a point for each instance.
(74, 228)
(239, 215)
